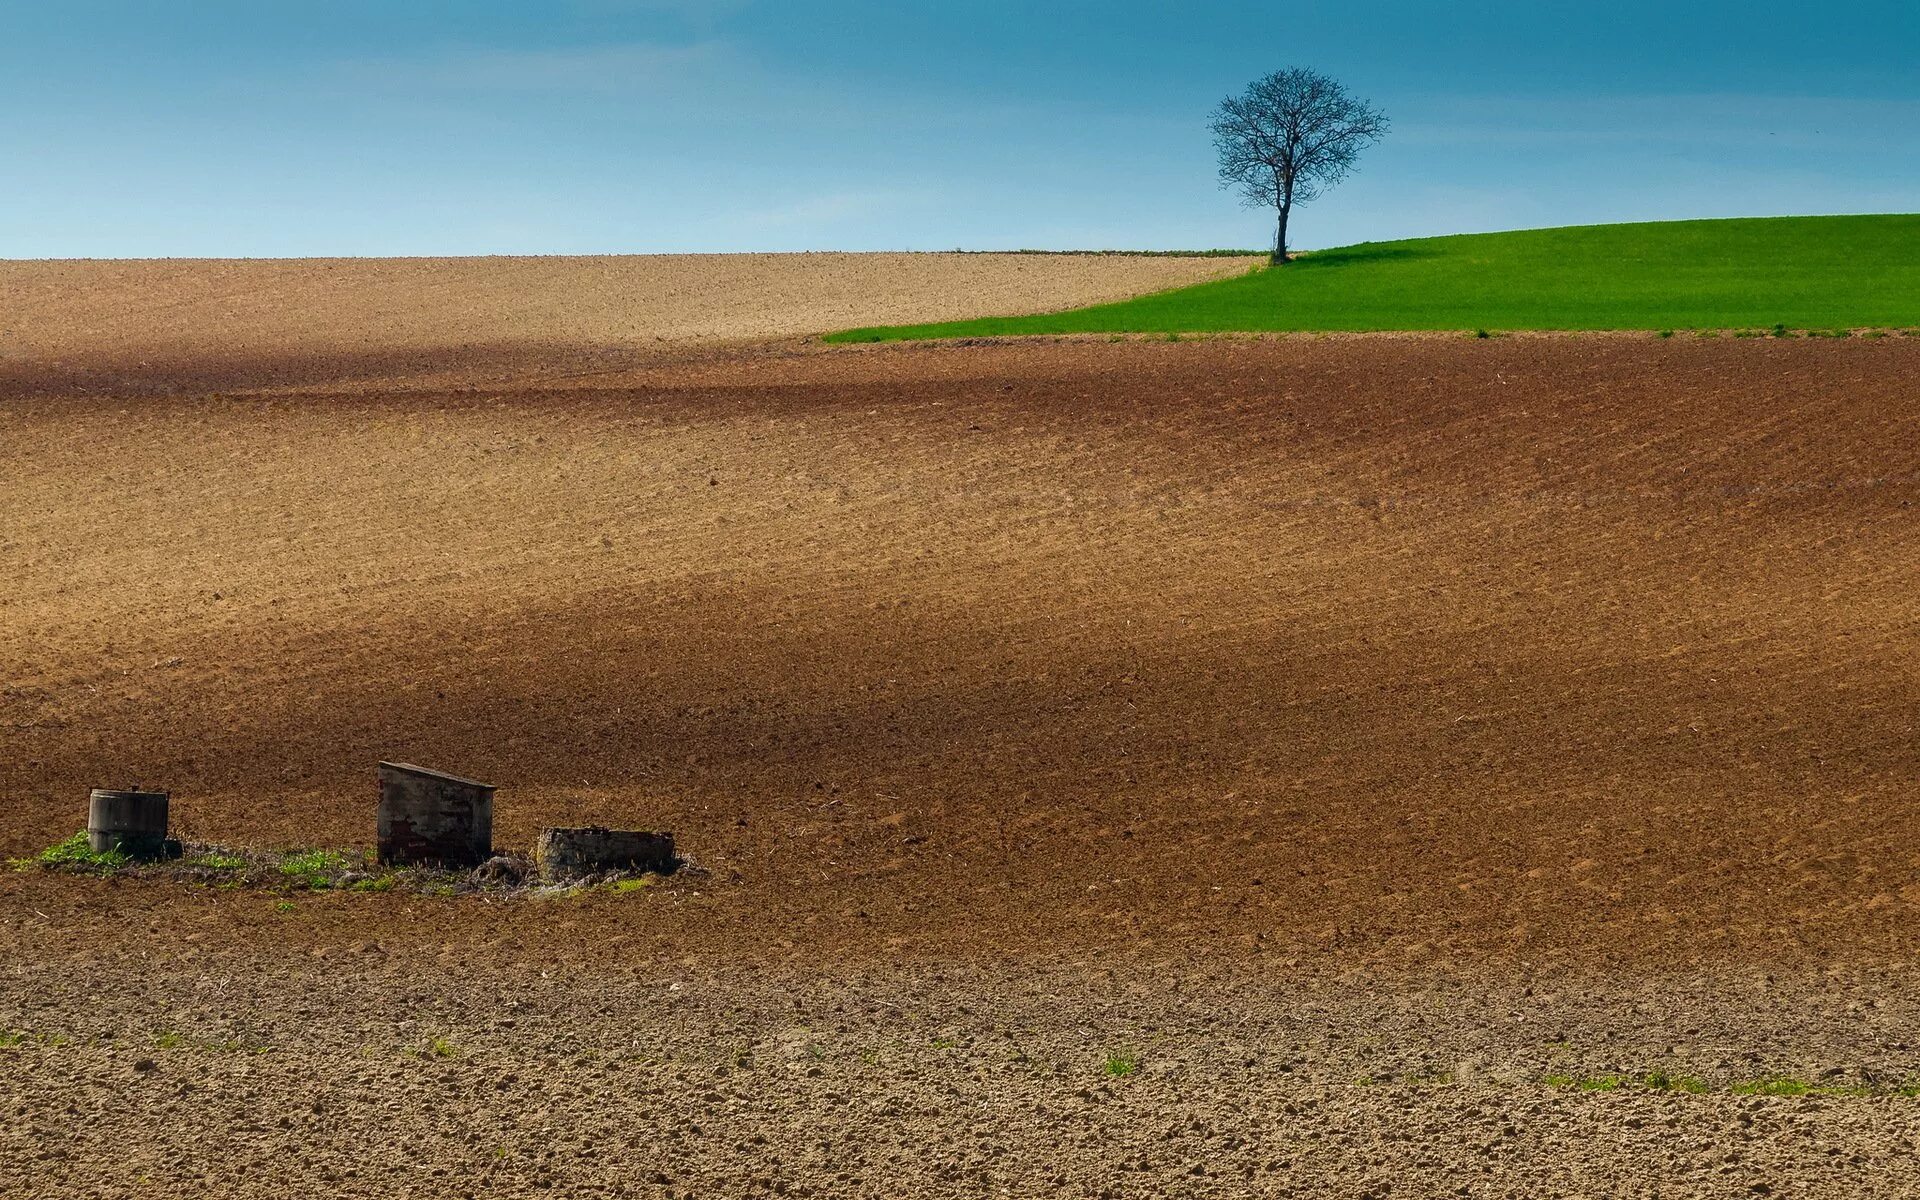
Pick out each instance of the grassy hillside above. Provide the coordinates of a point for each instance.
(1801, 272)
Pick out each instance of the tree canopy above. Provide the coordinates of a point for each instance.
(1290, 137)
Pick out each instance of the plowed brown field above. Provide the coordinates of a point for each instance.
(1590, 644)
(198, 323)
(1285, 711)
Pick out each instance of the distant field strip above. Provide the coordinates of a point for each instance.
(228, 322)
(1800, 273)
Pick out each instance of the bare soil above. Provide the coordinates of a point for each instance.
(200, 323)
(168, 1061)
(1443, 714)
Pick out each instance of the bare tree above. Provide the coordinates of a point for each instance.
(1290, 137)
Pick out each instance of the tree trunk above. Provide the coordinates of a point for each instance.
(1280, 238)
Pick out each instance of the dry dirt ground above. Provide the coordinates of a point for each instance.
(1228, 768)
(197, 323)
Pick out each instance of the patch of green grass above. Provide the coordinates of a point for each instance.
(168, 1040)
(1769, 274)
(1776, 1085)
(1786, 1085)
(216, 861)
(200, 866)
(440, 1048)
(314, 868)
(1661, 1081)
(1122, 1063)
(76, 854)
(12, 1037)
(624, 886)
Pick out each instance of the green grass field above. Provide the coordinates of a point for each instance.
(1803, 273)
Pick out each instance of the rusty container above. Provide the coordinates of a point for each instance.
(133, 823)
(430, 816)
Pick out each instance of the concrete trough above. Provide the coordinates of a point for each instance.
(133, 823)
(589, 850)
(429, 816)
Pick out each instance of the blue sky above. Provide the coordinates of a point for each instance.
(270, 127)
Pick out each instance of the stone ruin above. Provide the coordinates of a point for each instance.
(433, 817)
(425, 817)
(592, 849)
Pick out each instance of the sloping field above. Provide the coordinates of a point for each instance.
(1315, 766)
(1804, 273)
(1590, 644)
(234, 323)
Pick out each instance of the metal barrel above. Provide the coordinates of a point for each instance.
(134, 823)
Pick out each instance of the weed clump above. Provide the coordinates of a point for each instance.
(1778, 1085)
(228, 868)
(214, 860)
(1122, 1063)
(314, 869)
(77, 854)
(1661, 1081)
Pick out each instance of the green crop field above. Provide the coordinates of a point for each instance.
(1800, 273)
